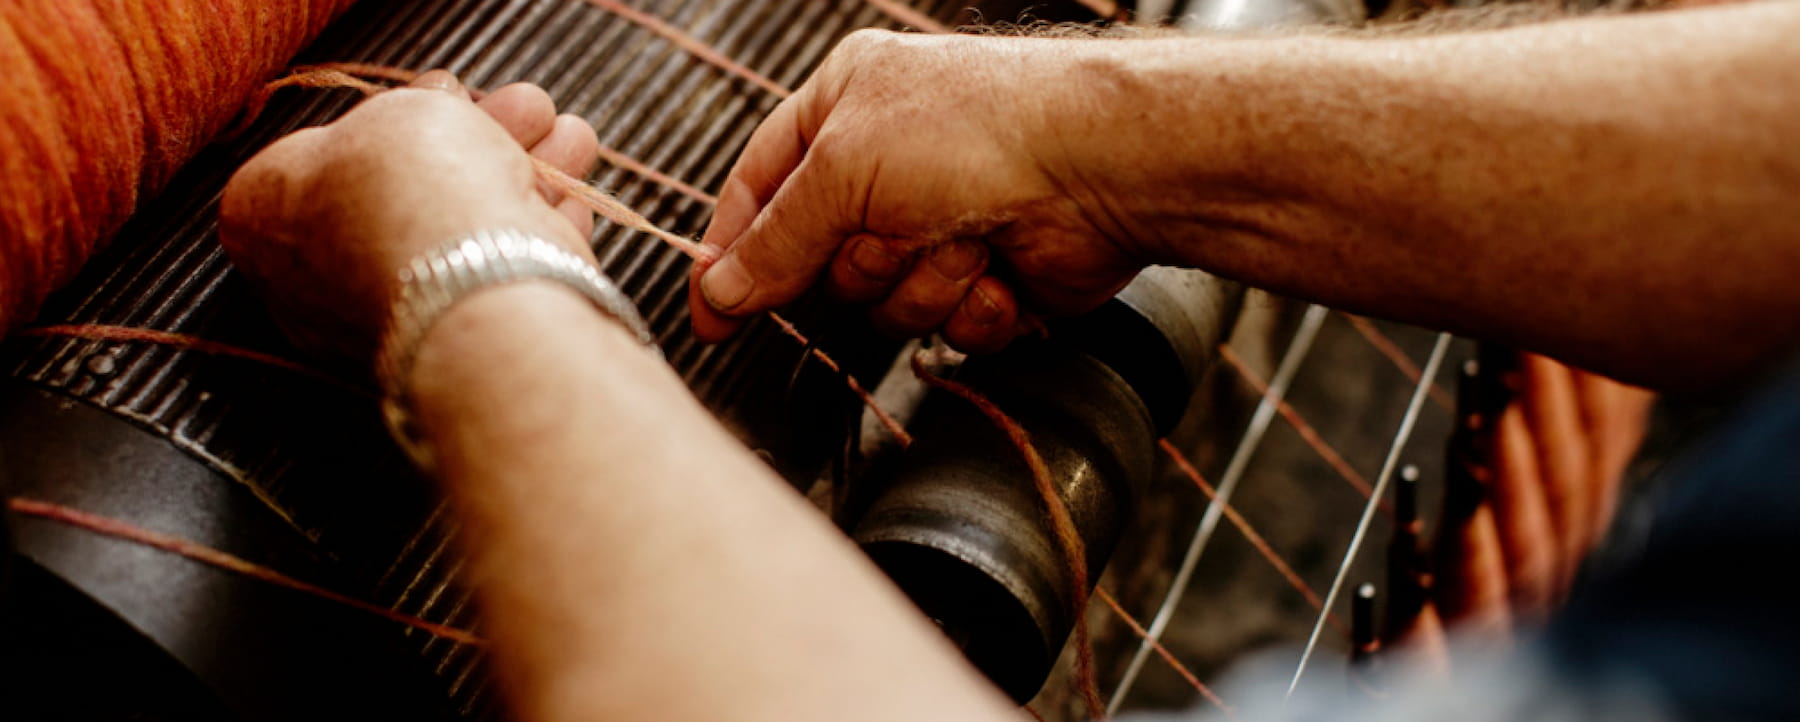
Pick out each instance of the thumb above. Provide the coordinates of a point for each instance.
(782, 252)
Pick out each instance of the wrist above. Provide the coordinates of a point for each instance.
(516, 346)
(435, 282)
(1194, 139)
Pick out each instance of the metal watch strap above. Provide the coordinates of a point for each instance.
(437, 279)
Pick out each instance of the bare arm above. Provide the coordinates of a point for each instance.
(635, 562)
(1622, 193)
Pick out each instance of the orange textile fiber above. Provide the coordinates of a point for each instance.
(105, 99)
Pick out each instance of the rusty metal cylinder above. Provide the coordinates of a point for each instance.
(961, 526)
(963, 529)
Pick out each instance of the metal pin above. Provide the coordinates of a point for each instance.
(1365, 674)
(1363, 638)
(1462, 491)
(1388, 468)
(1406, 568)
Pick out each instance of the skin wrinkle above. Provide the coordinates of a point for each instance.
(1108, 222)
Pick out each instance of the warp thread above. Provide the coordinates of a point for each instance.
(1307, 432)
(207, 555)
(1167, 656)
(1243, 525)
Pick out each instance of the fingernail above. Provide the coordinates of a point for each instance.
(958, 260)
(437, 80)
(983, 311)
(726, 284)
(871, 259)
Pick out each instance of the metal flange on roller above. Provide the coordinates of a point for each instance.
(961, 527)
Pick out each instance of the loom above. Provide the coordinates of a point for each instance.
(289, 472)
(298, 475)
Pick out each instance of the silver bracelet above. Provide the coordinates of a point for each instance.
(437, 279)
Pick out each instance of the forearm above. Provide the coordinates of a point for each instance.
(633, 561)
(1618, 192)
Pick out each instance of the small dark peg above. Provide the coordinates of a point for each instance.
(1406, 496)
(1365, 662)
(1362, 624)
(1406, 565)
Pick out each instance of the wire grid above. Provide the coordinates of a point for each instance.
(1202, 590)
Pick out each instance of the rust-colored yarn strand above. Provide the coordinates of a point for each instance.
(1307, 432)
(692, 45)
(333, 75)
(133, 334)
(887, 420)
(101, 112)
(1167, 656)
(1243, 525)
(207, 555)
(311, 77)
(1106, 9)
(908, 15)
(619, 159)
(612, 210)
(1401, 361)
(1061, 524)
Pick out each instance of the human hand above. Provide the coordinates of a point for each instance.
(925, 175)
(321, 221)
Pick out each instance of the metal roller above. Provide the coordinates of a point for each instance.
(961, 527)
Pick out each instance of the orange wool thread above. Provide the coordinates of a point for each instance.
(1061, 523)
(906, 15)
(691, 45)
(1243, 525)
(106, 332)
(389, 73)
(105, 100)
(887, 420)
(403, 76)
(206, 555)
(308, 77)
(633, 165)
(1306, 431)
(1106, 9)
(613, 210)
(1167, 656)
(1401, 361)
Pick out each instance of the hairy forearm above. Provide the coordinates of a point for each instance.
(1621, 192)
(633, 561)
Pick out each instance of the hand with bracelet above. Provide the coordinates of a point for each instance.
(635, 562)
(606, 515)
(328, 216)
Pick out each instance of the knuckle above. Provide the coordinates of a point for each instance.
(969, 339)
(865, 40)
(915, 312)
(573, 122)
(264, 183)
(409, 100)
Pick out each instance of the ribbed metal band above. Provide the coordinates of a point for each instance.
(434, 281)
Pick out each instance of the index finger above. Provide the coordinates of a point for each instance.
(774, 150)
